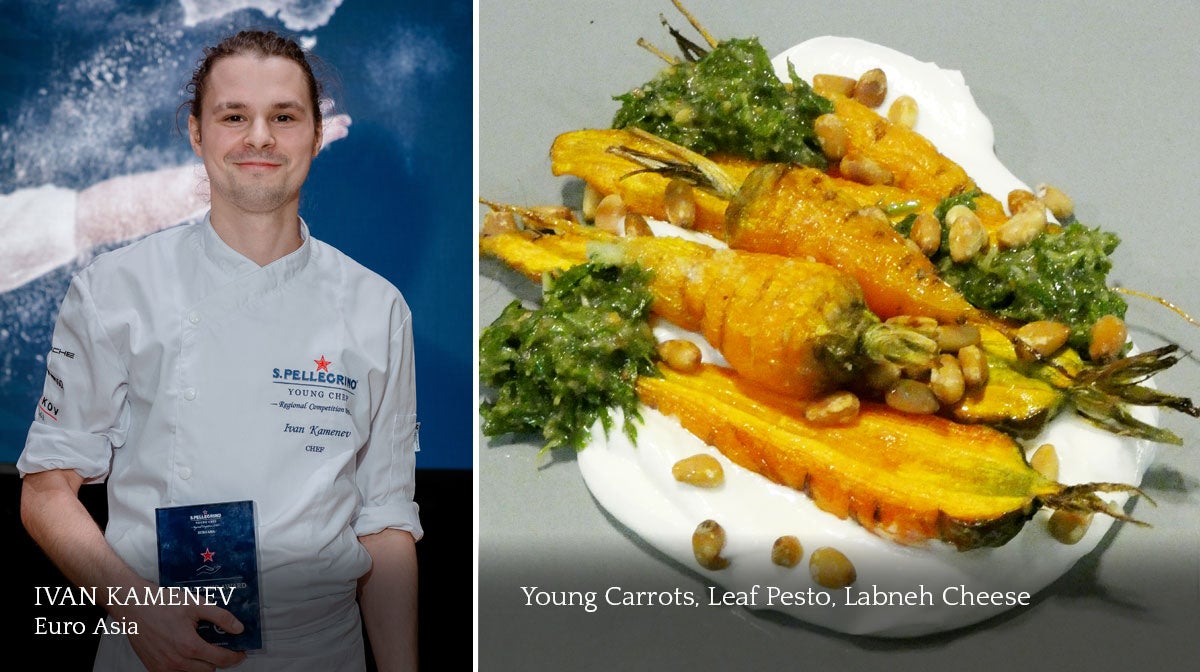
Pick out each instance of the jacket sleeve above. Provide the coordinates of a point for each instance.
(386, 466)
(83, 412)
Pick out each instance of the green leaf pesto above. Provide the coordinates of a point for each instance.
(555, 370)
(730, 101)
(1062, 275)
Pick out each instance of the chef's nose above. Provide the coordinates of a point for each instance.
(259, 134)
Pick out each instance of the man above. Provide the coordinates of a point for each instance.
(238, 359)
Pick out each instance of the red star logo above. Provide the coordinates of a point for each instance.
(323, 364)
(207, 555)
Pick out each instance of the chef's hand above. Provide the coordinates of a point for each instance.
(167, 641)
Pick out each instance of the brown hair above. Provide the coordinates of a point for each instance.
(259, 43)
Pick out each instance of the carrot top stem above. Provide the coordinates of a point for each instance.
(1101, 395)
(681, 162)
(1083, 499)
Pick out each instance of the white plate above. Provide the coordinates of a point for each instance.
(635, 485)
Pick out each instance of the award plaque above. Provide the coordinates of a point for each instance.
(209, 553)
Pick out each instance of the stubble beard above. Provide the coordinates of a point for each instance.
(258, 196)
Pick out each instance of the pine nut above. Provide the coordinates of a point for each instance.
(1042, 338)
(968, 238)
(680, 203)
(926, 232)
(786, 551)
(955, 213)
(903, 111)
(917, 372)
(871, 88)
(955, 337)
(874, 213)
(1021, 199)
(881, 376)
(829, 567)
(681, 355)
(911, 396)
(834, 84)
(701, 470)
(1068, 527)
(1108, 338)
(495, 223)
(1060, 205)
(1022, 227)
(609, 213)
(832, 136)
(591, 199)
(1045, 461)
(946, 380)
(973, 361)
(838, 408)
(636, 225)
(707, 543)
(865, 171)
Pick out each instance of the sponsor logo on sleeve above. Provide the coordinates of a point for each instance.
(47, 410)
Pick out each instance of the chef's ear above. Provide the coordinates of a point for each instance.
(194, 133)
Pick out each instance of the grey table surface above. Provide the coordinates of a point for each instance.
(1097, 98)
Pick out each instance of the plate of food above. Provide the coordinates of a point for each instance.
(851, 537)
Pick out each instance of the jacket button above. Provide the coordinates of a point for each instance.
(189, 394)
(194, 317)
(185, 473)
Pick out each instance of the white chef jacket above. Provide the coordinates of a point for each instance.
(184, 373)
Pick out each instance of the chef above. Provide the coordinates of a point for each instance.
(238, 358)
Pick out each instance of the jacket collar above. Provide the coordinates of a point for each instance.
(233, 263)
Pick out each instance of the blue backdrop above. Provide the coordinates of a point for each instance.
(89, 91)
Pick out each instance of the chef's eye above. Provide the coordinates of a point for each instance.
(283, 118)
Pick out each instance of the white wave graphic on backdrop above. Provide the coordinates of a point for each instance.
(92, 114)
(295, 14)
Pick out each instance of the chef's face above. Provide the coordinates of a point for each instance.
(256, 133)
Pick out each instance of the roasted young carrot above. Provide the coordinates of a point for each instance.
(778, 209)
(908, 478)
(783, 210)
(532, 256)
(914, 163)
(601, 157)
(797, 326)
(1021, 396)
(586, 154)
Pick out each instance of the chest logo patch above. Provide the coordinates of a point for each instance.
(320, 377)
